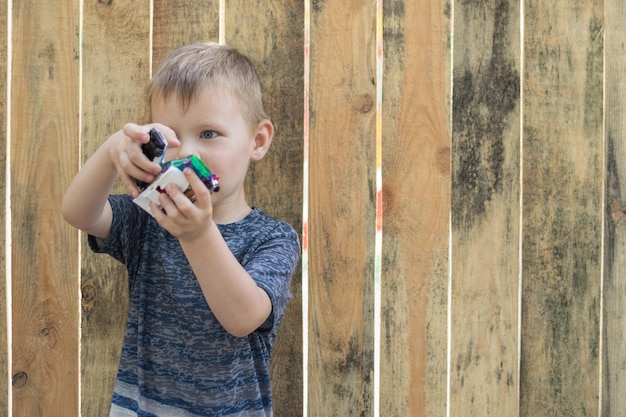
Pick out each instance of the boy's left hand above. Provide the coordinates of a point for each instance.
(178, 215)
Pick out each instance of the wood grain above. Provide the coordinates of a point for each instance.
(342, 216)
(416, 206)
(614, 314)
(44, 145)
(270, 33)
(178, 23)
(4, 107)
(485, 209)
(116, 56)
(562, 208)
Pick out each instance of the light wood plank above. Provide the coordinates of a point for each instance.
(44, 139)
(273, 40)
(562, 208)
(614, 314)
(342, 216)
(116, 58)
(416, 206)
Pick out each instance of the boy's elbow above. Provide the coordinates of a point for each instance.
(95, 221)
(67, 212)
(239, 331)
(72, 215)
(245, 327)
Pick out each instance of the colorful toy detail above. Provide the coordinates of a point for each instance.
(208, 178)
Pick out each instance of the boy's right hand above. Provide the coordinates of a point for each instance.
(126, 154)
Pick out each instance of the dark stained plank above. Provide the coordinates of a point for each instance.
(416, 206)
(485, 209)
(614, 314)
(562, 208)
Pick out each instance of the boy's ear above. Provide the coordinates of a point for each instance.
(262, 139)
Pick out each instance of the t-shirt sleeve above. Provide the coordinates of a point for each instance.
(126, 232)
(272, 268)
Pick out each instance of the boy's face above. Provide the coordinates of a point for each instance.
(214, 129)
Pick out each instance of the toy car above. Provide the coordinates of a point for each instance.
(171, 172)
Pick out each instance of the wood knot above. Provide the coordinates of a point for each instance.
(19, 379)
(364, 104)
(443, 161)
(89, 292)
(618, 212)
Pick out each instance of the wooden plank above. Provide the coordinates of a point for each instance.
(562, 208)
(485, 209)
(614, 314)
(182, 22)
(273, 40)
(116, 56)
(44, 144)
(342, 216)
(4, 107)
(416, 179)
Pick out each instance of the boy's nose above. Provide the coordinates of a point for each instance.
(186, 149)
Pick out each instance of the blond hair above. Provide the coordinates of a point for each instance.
(189, 68)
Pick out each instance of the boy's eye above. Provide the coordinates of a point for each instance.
(209, 134)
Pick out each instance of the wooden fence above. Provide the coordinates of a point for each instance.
(458, 170)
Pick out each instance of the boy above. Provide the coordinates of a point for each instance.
(209, 280)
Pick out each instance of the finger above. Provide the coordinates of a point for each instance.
(132, 171)
(202, 193)
(182, 202)
(136, 133)
(130, 185)
(158, 213)
(137, 162)
(174, 201)
(164, 198)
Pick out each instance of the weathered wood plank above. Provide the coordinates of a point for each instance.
(116, 56)
(44, 143)
(485, 209)
(562, 208)
(270, 33)
(342, 216)
(416, 206)
(178, 23)
(614, 314)
(4, 107)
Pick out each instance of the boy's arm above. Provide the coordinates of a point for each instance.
(239, 304)
(85, 204)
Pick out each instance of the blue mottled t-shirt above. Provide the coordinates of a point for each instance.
(177, 359)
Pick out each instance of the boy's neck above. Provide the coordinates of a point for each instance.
(228, 214)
